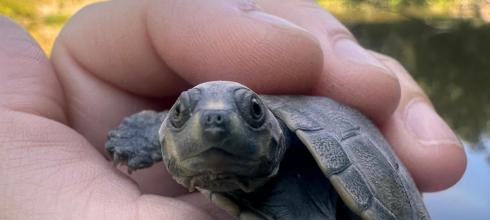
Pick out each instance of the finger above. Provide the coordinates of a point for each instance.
(424, 142)
(94, 107)
(27, 81)
(48, 171)
(112, 54)
(350, 74)
(155, 48)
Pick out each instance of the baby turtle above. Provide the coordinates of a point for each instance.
(272, 157)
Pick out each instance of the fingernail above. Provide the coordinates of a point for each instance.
(427, 126)
(271, 19)
(347, 49)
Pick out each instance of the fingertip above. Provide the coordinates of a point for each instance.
(446, 160)
(433, 155)
(445, 166)
(425, 143)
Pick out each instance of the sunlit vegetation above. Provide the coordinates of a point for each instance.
(390, 10)
(42, 18)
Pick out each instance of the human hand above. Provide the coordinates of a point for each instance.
(116, 58)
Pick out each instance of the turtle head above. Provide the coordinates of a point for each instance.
(221, 137)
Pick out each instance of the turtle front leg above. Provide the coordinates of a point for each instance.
(135, 142)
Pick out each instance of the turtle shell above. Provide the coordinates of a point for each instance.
(352, 153)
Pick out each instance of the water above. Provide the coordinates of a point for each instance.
(450, 59)
(469, 198)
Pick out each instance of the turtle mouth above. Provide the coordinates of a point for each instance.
(218, 170)
(217, 160)
(220, 152)
(225, 182)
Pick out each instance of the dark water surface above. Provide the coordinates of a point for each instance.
(451, 60)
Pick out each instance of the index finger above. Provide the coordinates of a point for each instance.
(158, 48)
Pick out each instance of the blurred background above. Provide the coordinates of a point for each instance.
(444, 44)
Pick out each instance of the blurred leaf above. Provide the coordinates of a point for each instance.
(24, 12)
(56, 19)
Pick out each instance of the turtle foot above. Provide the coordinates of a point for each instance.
(135, 142)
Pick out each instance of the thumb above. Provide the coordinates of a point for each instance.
(421, 138)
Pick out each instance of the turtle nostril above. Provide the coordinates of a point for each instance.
(215, 124)
(215, 118)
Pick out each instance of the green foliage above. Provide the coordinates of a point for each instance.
(398, 3)
(354, 11)
(30, 12)
(56, 19)
(22, 11)
(389, 3)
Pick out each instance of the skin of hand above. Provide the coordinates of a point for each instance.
(113, 59)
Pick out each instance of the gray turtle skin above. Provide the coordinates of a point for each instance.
(272, 157)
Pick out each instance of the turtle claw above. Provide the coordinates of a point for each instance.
(124, 156)
(116, 161)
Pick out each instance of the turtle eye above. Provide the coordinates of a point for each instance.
(181, 111)
(255, 109)
(250, 107)
(179, 115)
